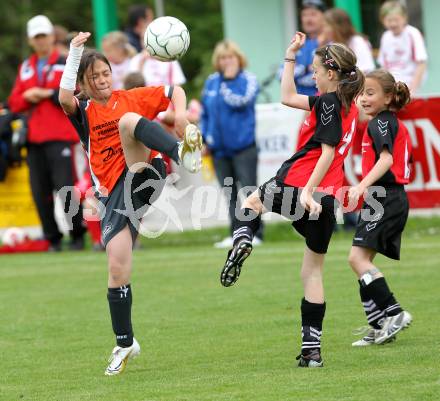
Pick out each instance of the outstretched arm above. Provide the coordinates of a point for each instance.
(289, 96)
(68, 80)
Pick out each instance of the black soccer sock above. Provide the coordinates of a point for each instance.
(373, 313)
(312, 316)
(119, 301)
(153, 136)
(246, 225)
(380, 293)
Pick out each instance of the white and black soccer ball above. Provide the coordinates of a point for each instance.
(13, 236)
(166, 38)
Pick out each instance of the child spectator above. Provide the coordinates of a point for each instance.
(119, 52)
(402, 48)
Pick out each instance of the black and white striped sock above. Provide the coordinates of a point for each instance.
(311, 339)
(246, 226)
(312, 316)
(372, 311)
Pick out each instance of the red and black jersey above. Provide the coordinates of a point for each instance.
(387, 131)
(327, 123)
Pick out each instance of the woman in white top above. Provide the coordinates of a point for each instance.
(339, 28)
(402, 48)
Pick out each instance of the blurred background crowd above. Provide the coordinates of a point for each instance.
(220, 74)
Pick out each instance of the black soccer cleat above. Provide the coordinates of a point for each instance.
(236, 256)
(311, 360)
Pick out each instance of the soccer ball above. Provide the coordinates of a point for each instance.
(166, 39)
(13, 236)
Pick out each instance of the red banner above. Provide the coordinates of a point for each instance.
(422, 118)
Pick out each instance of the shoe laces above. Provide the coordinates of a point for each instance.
(360, 331)
(114, 354)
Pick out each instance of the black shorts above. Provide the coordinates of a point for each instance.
(284, 200)
(126, 205)
(381, 230)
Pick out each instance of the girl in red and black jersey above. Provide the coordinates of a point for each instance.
(386, 154)
(306, 186)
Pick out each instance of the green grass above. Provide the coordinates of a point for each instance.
(202, 342)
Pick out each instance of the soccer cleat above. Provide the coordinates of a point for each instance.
(190, 149)
(392, 325)
(369, 338)
(119, 357)
(311, 360)
(236, 256)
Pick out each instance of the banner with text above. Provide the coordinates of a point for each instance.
(278, 126)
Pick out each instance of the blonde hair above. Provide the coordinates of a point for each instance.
(119, 39)
(392, 7)
(400, 95)
(227, 47)
(341, 59)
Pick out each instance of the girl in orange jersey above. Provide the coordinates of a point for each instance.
(118, 134)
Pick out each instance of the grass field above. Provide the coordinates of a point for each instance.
(202, 342)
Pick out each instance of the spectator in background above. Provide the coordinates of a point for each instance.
(402, 48)
(50, 134)
(228, 125)
(339, 28)
(119, 52)
(312, 23)
(134, 80)
(61, 40)
(139, 16)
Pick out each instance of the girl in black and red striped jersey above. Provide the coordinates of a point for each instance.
(306, 186)
(386, 155)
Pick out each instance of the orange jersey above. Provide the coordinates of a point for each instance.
(97, 126)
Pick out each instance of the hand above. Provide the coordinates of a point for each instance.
(295, 44)
(180, 123)
(80, 39)
(36, 94)
(308, 203)
(355, 193)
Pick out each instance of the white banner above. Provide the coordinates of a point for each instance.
(276, 136)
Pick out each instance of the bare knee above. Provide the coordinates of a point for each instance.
(253, 202)
(118, 271)
(128, 122)
(310, 272)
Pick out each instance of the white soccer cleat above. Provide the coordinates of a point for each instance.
(369, 337)
(190, 149)
(119, 357)
(392, 325)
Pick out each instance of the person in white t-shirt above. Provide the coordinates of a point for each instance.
(119, 52)
(339, 28)
(157, 72)
(402, 48)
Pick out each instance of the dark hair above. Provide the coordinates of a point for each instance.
(399, 90)
(88, 59)
(135, 13)
(317, 4)
(341, 25)
(340, 58)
